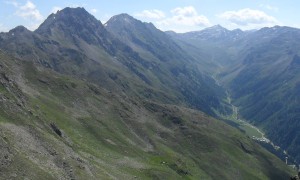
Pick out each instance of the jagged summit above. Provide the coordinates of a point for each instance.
(73, 22)
(67, 15)
(72, 10)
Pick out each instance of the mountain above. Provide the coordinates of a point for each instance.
(74, 42)
(215, 34)
(145, 37)
(171, 62)
(213, 48)
(55, 126)
(259, 70)
(79, 102)
(269, 74)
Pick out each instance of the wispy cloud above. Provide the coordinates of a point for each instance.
(29, 11)
(188, 16)
(151, 14)
(3, 28)
(269, 7)
(249, 18)
(94, 11)
(184, 19)
(188, 11)
(12, 2)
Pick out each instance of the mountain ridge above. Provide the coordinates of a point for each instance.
(258, 71)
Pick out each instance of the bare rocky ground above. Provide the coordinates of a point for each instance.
(29, 142)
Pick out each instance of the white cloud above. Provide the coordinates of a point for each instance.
(151, 14)
(295, 25)
(180, 19)
(55, 9)
(249, 17)
(94, 11)
(12, 2)
(269, 7)
(29, 11)
(201, 21)
(188, 11)
(184, 19)
(3, 28)
(33, 26)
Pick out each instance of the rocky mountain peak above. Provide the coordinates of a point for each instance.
(215, 33)
(123, 20)
(73, 22)
(217, 28)
(19, 32)
(19, 29)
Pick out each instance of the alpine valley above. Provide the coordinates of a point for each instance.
(124, 100)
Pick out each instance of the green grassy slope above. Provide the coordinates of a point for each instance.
(55, 126)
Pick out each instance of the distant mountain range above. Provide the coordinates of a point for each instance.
(124, 100)
(260, 70)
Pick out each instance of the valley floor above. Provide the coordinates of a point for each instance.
(252, 131)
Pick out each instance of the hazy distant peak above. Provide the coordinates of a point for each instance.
(237, 30)
(19, 29)
(276, 31)
(216, 28)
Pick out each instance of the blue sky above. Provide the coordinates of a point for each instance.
(177, 15)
